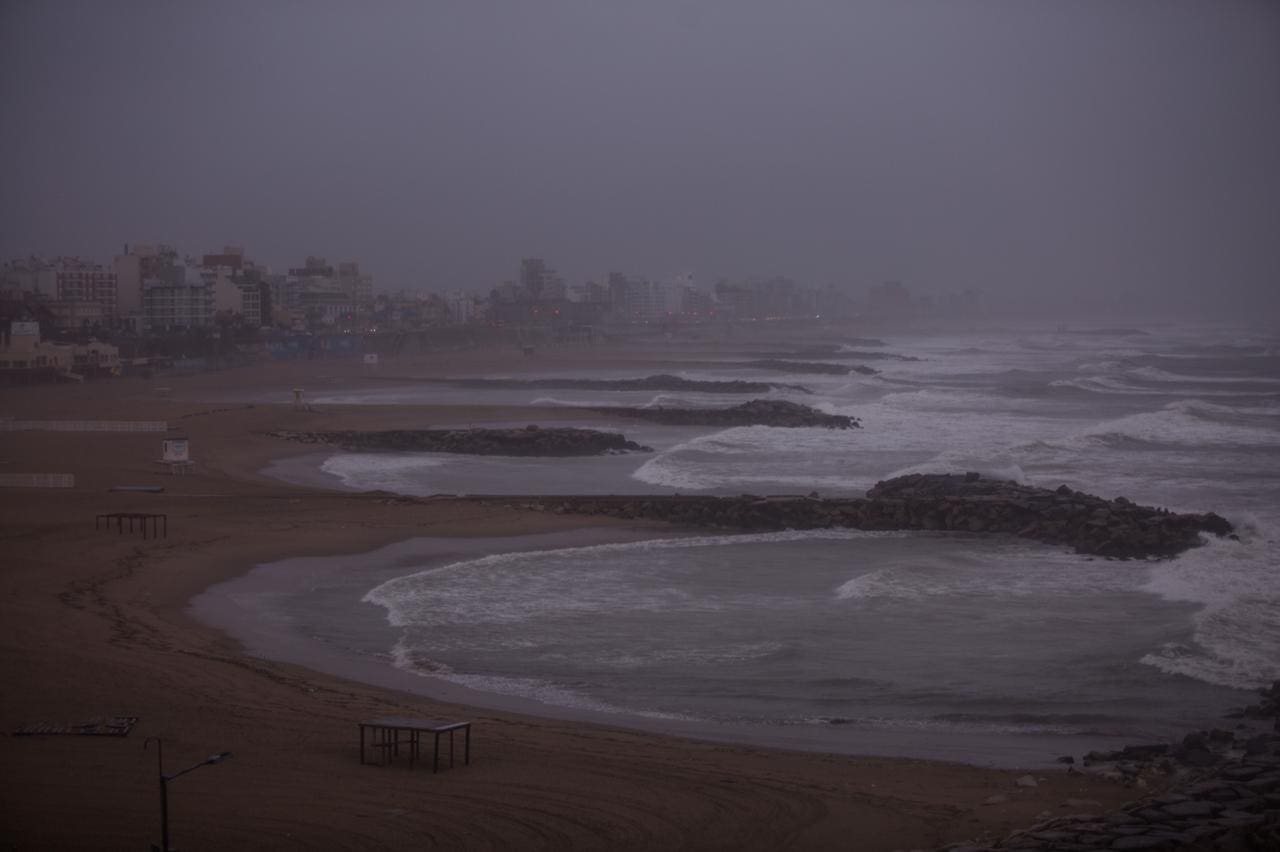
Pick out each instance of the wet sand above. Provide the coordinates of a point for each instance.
(98, 624)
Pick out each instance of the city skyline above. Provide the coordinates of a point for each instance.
(1049, 153)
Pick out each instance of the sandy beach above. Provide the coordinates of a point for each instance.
(98, 624)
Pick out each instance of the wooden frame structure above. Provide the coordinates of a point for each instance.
(158, 523)
(386, 739)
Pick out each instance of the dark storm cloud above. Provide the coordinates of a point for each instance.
(1033, 148)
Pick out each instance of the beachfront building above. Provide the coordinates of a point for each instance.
(181, 299)
(25, 358)
(32, 276)
(317, 294)
(78, 315)
(539, 282)
(357, 286)
(237, 286)
(633, 300)
(77, 281)
(461, 307)
(138, 264)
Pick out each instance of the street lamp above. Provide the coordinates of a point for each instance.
(164, 786)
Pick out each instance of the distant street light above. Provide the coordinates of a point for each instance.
(164, 786)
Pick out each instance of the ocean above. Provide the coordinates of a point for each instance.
(943, 634)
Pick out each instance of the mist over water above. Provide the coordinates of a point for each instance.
(940, 632)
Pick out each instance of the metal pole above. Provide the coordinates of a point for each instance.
(164, 791)
(164, 813)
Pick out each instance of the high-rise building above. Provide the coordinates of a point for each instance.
(76, 281)
(539, 282)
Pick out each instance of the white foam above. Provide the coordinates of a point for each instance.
(570, 403)
(1182, 423)
(962, 463)
(987, 569)
(1237, 629)
(733, 456)
(1107, 384)
(532, 689)
(398, 472)
(1155, 374)
(511, 596)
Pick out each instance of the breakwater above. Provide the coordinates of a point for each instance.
(660, 382)
(1224, 795)
(783, 365)
(528, 441)
(1221, 793)
(757, 412)
(959, 502)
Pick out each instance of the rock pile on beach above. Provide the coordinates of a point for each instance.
(816, 367)
(1225, 796)
(757, 412)
(957, 502)
(1090, 524)
(840, 352)
(660, 382)
(529, 441)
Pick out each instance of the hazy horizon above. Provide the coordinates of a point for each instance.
(1124, 157)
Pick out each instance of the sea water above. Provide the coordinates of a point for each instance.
(931, 631)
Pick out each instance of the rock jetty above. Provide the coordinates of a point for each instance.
(661, 382)
(837, 352)
(530, 441)
(1221, 792)
(757, 412)
(820, 350)
(961, 502)
(814, 367)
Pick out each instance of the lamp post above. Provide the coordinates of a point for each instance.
(164, 785)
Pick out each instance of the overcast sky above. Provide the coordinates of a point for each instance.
(1108, 149)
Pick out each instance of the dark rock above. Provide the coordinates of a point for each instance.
(1264, 783)
(757, 412)
(1141, 842)
(661, 382)
(814, 367)
(1197, 757)
(1241, 773)
(529, 441)
(1144, 752)
(1191, 809)
(918, 501)
(1130, 830)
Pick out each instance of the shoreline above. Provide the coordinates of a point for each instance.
(99, 625)
(227, 607)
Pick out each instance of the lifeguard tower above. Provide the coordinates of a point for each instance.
(177, 454)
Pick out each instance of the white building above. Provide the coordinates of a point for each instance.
(182, 299)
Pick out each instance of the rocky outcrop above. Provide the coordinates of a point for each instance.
(814, 367)
(1224, 795)
(757, 412)
(661, 382)
(863, 355)
(964, 502)
(1267, 708)
(529, 441)
(838, 352)
(1090, 524)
